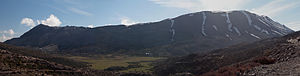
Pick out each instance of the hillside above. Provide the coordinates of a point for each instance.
(268, 57)
(36, 53)
(182, 35)
(15, 64)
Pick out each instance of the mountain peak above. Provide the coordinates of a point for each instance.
(202, 30)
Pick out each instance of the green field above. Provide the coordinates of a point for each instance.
(103, 63)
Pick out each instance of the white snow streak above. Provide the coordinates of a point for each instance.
(173, 34)
(255, 36)
(265, 31)
(282, 28)
(276, 24)
(237, 31)
(228, 36)
(172, 23)
(172, 30)
(203, 24)
(257, 27)
(278, 32)
(215, 27)
(248, 18)
(263, 22)
(229, 23)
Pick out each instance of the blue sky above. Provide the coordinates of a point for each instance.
(19, 16)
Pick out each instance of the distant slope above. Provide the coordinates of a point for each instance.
(185, 34)
(19, 65)
(42, 55)
(239, 59)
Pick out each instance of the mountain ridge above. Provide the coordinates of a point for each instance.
(186, 31)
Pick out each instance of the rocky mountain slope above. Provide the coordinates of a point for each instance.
(286, 54)
(185, 34)
(270, 57)
(16, 64)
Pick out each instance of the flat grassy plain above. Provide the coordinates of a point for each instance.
(103, 63)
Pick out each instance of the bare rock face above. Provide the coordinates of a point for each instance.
(185, 34)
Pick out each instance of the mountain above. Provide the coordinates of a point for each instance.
(185, 34)
(269, 57)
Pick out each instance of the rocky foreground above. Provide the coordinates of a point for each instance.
(19, 65)
(288, 60)
(289, 68)
(270, 57)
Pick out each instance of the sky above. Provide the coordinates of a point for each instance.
(19, 16)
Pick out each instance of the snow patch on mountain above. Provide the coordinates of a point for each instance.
(265, 31)
(278, 32)
(172, 23)
(257, 27)
(228, 36)
(215, 27)
(203, 24)
(173, 34)
(229, 22)
(172, 30)
(248, 18)
(255, 36)
(283, 29)
(237, 31)
(263, 22)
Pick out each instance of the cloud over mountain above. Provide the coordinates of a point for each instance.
(51, 21)
(7, 34)
(28, 22)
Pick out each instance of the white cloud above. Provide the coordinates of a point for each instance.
(7, 34)
(10, 32)
(51, 21)
(126, 21)
(275, 7)
(78, 11)
(200, 5)
(4, 37)
(28, 22)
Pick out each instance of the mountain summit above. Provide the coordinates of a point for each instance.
(194, 32)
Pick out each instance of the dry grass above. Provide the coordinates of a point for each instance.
(103, 63)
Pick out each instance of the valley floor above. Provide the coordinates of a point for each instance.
(119, 63)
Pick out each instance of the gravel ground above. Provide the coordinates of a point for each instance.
(287, 68)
